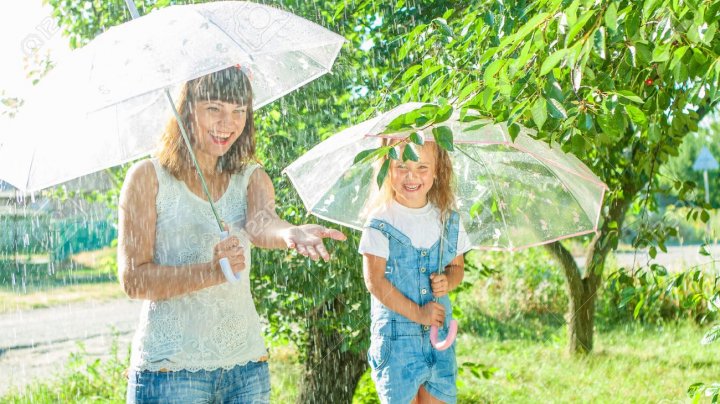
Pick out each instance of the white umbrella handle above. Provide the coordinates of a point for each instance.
(225, 263)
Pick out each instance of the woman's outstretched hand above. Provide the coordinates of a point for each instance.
(307, 240)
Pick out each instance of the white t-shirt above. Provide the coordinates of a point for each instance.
(421, 225)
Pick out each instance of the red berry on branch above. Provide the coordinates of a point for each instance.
(649, 82)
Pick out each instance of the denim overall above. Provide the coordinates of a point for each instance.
(400, 355)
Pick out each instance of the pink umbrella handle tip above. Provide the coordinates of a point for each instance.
(447, 342)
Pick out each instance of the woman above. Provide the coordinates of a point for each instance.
(199, 337)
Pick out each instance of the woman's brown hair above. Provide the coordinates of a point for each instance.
(230, 85)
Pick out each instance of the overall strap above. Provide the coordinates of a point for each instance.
(451, 229)
(389, 231)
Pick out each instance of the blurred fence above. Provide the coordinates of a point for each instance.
(39, 234)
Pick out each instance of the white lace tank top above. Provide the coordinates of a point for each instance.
(216, 327)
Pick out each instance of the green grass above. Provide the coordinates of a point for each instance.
(630, 364)
(523, 353)
(32, 282)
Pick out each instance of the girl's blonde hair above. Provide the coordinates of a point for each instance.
(230, 85)
(442, 193)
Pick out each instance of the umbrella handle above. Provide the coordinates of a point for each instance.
(225, 263)
(447, 342)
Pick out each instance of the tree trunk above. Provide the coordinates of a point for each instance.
(582, 286)
(330, 374)
(581, 318)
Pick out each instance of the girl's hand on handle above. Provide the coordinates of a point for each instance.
(439, 284)
(307, 240)
(432, 313)
(231, 249)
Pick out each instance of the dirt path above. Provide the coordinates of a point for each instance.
(36, 344)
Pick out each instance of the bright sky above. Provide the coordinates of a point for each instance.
(26, 25)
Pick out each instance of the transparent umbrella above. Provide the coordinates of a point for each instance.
(510, 194)
(105, 103)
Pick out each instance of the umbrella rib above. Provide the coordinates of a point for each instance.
(496, 192)
(32, 163)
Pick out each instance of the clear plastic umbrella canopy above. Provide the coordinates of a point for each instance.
(105, 104)
(510, 194)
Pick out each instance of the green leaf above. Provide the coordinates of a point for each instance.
(638, 307)
(364, 154)
(491, 71)
(393, 154)
(611, 17)
(396, 125)
(383, 173)
(585, 122)
(579, 25)
(629, 95)
(599, 42)
(443, 114)
(514, 130)
(703, 251)
(661, 54)
(417, 138)
(444, 27)
(677, 56)
(653, 252)
(444, 137)
(643, 53)
(539, 112)
(704, 216)
(636, 115)
(409, 153)
(552, 61)
(710, 33)
(410, 72)
(467, 90)
(556, 109)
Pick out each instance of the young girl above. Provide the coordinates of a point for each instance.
(402, 249)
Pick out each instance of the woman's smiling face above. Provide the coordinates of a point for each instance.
(217, 125)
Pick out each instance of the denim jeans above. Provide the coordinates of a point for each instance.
(404, 359)
(249, 383)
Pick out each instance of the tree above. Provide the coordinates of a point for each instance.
(618, 83)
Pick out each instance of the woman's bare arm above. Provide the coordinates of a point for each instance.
(267, 230)
(139, 276)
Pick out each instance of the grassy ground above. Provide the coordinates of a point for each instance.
(631, 364)
(34, 283)
(13, 301)
(523, 356)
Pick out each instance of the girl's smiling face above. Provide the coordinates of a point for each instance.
(412, 180)
(217, 126)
